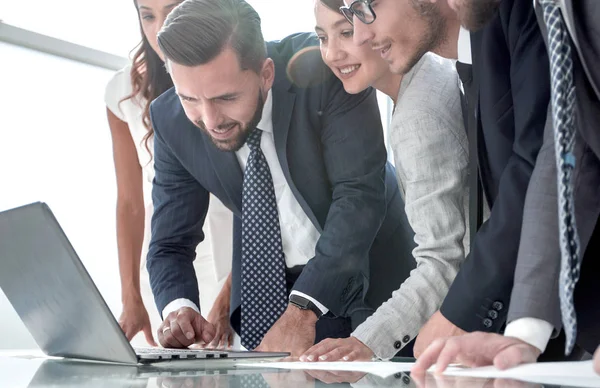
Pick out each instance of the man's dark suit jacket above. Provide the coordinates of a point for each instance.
(536, 288)
(587, 191)
(330, 146)
(510, 65)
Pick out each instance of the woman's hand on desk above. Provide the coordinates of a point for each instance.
(219, 317)
(134, 319)
(335, 349)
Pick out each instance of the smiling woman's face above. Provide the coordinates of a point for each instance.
(358, 67)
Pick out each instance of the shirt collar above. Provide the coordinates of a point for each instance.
(266, 122)
(464, 47)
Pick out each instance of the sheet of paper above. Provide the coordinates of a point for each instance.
(379, 368)
(574, 374)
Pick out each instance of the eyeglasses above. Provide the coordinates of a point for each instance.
(361, 9)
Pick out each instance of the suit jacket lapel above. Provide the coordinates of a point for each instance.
(229, 172)
(283, 105)
(569, 18)
(566, 7)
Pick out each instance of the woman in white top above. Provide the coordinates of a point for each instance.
(429, 145)
(128, 97)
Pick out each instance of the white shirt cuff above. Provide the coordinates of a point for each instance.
(323, 309)
(535, 332)
(177, 304)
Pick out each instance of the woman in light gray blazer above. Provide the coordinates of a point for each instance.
(430, 150)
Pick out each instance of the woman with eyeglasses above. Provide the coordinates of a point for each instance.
(429, 145)
(128, 97)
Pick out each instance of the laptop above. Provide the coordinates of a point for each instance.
(55, 297)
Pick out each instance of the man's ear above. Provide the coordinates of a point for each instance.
(267, 74)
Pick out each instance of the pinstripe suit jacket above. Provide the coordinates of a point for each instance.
(330, 146)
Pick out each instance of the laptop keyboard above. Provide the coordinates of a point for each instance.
(167, 354)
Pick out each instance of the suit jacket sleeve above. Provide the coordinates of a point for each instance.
(180, 207)
(431, 155)
(479, 297)
(355, 158)
(535, 290)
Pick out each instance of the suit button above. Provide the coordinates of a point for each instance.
(398, 375)
(397, 344)
(406, 339)
(493, 314)
(487, 323)
(406, 380)
(497, 305)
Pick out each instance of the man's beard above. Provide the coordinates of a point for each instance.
(475, 14)
(234, 144)
(433, 38)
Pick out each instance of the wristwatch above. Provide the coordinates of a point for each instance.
(305, 304)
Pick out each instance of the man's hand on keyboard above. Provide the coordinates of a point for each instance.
(183, 327)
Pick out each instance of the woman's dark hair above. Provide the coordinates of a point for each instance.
(333, 5)
(149, 79)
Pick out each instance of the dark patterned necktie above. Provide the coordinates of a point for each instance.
(255, 380)
(264, 293)
(563, 115)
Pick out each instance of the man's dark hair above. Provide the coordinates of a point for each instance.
(197, 31)
(333, 5)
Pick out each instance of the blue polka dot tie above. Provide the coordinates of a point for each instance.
(255, 380)
(563, 116)
(264, 293)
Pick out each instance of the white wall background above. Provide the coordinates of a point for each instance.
(55, 147)
(111, 25)
(55, 144)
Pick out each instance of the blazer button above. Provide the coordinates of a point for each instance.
(406, 339)
(397, 344)
(487, 323)
(497, 305)
(493, 314)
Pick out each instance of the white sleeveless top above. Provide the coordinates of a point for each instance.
(131, 112)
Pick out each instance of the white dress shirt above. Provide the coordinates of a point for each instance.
(464, 47)
(535, 332)
(298, 234)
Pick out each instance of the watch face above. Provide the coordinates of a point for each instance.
(303, 304)
(300, 302)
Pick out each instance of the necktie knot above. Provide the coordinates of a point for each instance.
(254, 139)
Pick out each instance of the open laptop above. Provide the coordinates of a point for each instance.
(54, 295)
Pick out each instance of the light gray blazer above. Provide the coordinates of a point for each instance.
(430, 149)
(535, 290)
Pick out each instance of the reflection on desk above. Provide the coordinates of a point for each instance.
(17, 372)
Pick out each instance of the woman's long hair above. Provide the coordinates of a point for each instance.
(149, 79)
